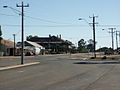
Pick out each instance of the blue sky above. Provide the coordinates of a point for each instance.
(61, 17)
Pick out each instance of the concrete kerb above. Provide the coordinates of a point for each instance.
(14, 57)
(17, 66)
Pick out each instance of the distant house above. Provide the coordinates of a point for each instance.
(6, 48)
(52, 43)
(30, 47)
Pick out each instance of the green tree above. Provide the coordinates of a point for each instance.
(29, 37)
(90, 45)
(90, 41)
(82, 45)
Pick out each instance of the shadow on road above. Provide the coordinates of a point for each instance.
(98, 62)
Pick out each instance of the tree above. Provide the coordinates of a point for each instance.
(29, 37)
(82, 45)
(90, 45)
(106, 50)
(90, 41)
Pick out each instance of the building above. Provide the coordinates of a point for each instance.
(30, 48)
(54, 44)
(6, 48)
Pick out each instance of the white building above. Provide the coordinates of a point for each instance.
(31, 47)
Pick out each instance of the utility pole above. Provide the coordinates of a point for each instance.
(0, 38)
(14, 45)
(112, 31)
(116, 40)
(93, 24)
(22, 39)
(119, 38)
(0, 31)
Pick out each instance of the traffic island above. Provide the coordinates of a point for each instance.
(98, 62)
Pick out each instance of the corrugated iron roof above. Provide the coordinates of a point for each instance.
(34, 44)
(7, 43)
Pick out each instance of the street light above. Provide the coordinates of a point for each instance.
(80, 19)
(84, 20)
(22, 15)
(13, 9)
(93, 31)
(5, 6)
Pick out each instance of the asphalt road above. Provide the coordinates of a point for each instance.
(59, 72)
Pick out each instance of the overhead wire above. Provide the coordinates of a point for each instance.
(44, 20)
(69, 25)
(50, 21)
(59, 24)
(7, 14)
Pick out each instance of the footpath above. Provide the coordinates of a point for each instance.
(10, 62)
(17, 66)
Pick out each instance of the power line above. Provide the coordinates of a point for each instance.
(47, 25)
(22, 39)
(49, 21)
(44, 20)
(108, 25)
(69, 25)
(7, 14)
(93, 23)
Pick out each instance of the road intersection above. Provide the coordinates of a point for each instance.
(60, 72)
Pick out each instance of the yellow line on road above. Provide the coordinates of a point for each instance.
(16, 66)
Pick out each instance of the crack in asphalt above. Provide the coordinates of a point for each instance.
(51, 86)
(104, 74)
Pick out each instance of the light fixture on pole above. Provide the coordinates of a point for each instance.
(22, 14)
(22, 39)
(93, 32)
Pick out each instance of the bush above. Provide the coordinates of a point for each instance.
(104, 57)
(92, 58)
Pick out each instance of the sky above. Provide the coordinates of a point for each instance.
(55, 17)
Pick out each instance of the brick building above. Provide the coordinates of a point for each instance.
(6, 47)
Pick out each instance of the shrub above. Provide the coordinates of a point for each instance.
(104, 57)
